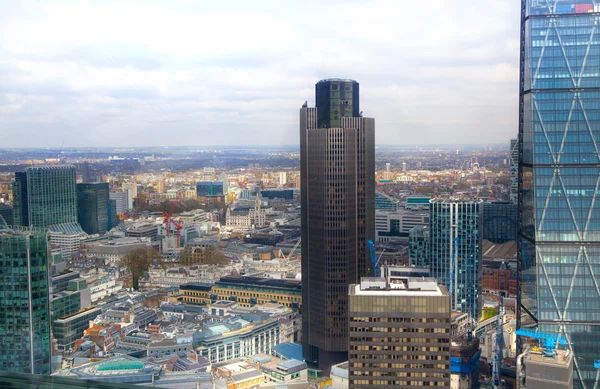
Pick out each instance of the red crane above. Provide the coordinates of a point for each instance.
(168, 219)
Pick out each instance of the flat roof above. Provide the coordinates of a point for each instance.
(413, 287)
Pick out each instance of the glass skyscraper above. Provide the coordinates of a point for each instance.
(45, 196)
(24, 301)
(337, 157)
(455, 235)
(559, 131)
(92, 207)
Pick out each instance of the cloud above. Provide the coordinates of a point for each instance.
(236, 72)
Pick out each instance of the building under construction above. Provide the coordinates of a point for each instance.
(464, 353)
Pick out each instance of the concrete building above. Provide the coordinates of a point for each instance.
(399, 333)
(391, 226)
(121, 199)
(540, 372)
(337, 158)
(246, 291)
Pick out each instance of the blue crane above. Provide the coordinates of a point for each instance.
(550, 341)
(374, 260)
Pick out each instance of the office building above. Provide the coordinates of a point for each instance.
(92, 207)
(560, 176)
(286, 194)
(391, 226)
(121, 200)
(337, 157)
(246, 291)
(384, 202)
(417, 203)
(45, 196)
(455, 251)
(404, 168)
(24, 301)
(418, 246)
(514, 171)
(6, 211)
(20, 200)
(500, 221)
(399, 333)
(209, 188)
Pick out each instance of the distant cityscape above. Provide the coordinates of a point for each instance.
(338, 262)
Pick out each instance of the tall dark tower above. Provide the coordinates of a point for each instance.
(338, 215)
(559, 176)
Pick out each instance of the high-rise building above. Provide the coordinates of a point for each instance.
(336, 99)
(121, 200)
(337, 156)
(92, 207)
(404, 168)
(399, 334)
(455, 241)
(20, 200)
(24, 301)
(500, 221)
(418, 246)
(282, 178)
(514, 171)
(6, 211)
(160, 186)
(559, 131)
(45, 196)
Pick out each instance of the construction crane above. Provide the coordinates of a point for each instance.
(374, 260)
(497, 367)
(168, 219)
(550, 341)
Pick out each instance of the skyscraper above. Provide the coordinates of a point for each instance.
(337, 172)
(24, 301)
(559, 131)
(92, 207)
(455, 239)
(45, 196)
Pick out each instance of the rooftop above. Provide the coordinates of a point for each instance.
(409, 286)
(563, 358)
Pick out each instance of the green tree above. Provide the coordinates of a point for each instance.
(138, 262)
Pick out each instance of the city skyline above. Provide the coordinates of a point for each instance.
(101, 83)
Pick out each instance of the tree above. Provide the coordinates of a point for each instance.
(191, 255)
(138, 262)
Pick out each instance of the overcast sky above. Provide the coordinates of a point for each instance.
(225, 72)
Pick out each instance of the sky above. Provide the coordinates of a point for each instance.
(227, 72)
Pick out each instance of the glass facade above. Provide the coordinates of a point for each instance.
(336, 99)
(24, 302)
(560, 169)
(209, 189)
(45, 196)
(456, 235)
(92, 207)
(500, 222)
(418, 246)
(384, 202)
